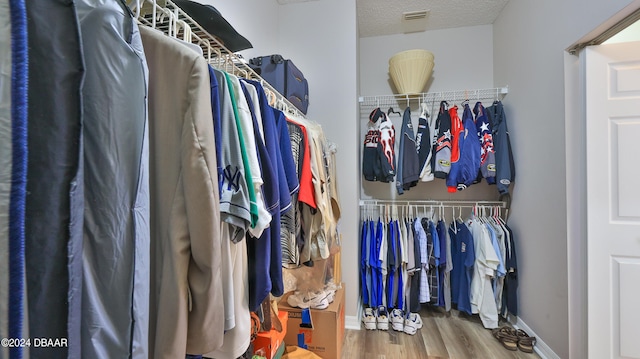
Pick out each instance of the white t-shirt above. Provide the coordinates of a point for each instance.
(237, 340)
(486, 263)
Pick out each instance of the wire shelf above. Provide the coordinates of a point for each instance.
(167, 17)
(433, 98)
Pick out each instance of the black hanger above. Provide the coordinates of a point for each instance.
(390, 111)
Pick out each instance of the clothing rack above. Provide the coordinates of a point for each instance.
(479, 207)
(433, 98)
(167, 17)
(432, 203)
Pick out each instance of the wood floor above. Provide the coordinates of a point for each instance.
(443, 335)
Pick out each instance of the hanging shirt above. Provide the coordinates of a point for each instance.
(248, 135)
(486, 263)
(487, 152)
(469, 163)
(408, 171)
(234, 191)
(505, 167)
(463, 253)
(442, 158)
(420, 233)
(260, 250)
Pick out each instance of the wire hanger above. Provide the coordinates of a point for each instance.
(390, 111)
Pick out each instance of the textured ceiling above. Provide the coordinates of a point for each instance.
(384, 17)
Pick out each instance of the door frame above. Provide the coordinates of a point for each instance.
(576, 187)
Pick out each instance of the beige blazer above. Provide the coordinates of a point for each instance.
(186, 309)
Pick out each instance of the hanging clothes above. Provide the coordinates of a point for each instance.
(186, 219)
(425, 140)
(486, 263)
(54, 203)
(5, 166)
(13, 175)
(443, 145)
(408, 172)
(468, 164)
(378, 154)
(235, 204)
(115, 309)
(505, 167)
(487, 152)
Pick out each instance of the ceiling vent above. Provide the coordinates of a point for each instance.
(415, 15)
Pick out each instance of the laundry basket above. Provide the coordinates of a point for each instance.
(411, 70)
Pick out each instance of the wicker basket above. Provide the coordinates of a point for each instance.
(411, 70)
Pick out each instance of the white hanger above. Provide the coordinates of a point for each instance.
(425, 110)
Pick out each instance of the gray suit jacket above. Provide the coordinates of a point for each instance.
(186, 297)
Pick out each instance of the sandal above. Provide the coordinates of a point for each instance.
(507, 337)
(525, 342)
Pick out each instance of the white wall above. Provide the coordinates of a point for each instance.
(257, 20)
(463, 59)
(321, 38)
(529, 42)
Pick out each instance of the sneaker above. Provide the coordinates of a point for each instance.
(310, 300)
(369, 319)
(382, 318)
(412, 323)
(397, 320)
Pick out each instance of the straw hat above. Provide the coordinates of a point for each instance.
(411, 70)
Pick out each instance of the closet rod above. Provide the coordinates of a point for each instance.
(166, 16)
(493, 94)
(435, 203)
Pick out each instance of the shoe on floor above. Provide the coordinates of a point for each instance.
(369, 319)
(412, 323)
(382, 318)
(397, 320)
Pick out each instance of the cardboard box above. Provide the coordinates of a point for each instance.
(327, 334)
(270, 342)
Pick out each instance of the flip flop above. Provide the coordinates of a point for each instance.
(507, 337)
(525, 342)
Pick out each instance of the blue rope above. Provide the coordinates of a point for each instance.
(19, 93)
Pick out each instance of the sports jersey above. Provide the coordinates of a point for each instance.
(408, 171)
(505, 167)
(487, 152)
(378, 154)
(424, 145)
(442, 147)
(463, 256)
(234, 191)
(244, 118)
(468, 164)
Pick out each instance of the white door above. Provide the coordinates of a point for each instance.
(613, 197)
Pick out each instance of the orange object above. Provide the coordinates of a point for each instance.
(270, 341)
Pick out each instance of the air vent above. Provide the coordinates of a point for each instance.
(415, 15)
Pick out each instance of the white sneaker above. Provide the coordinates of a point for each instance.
(397, 320)
(309, 300)
(382, 318)
(412, 323)
(369, 319)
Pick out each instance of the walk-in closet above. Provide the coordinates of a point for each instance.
(206, 179)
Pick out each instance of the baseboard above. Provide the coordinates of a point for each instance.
(541, 348)
(351, 322)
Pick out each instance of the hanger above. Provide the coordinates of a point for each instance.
(425, 110)
(390, 111)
